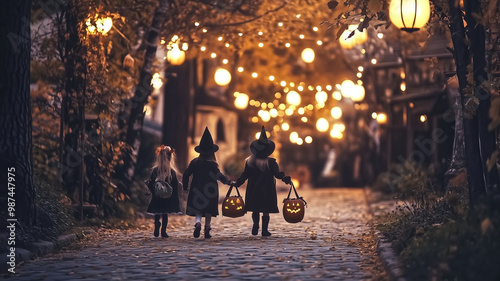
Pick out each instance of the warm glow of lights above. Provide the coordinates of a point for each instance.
(176, 56)
(382, 118)
(337, 95)
(261, 44)
(321, 97)
(227, 45)
(402, 75)
(304, 119)
(358, 94)
(360, 69)
(285, 126)
(409, 15)
(301, 36)
(374, 115)
(359, 74)
(293, 137)
(102, 25)
(271, 78)
(220, 38)
(283, 83)
(374, 61)
(280, 24)
(264, 115)
(300, 88)
(273, 112)
(225, 61)
(423, 118)
(287, 45)
(196, 24)
(308, 55)
(315, 28)
(380, 35)
(289, 111)
(336, 112)
(241, 101)
(293, 98)
(156, 81)
(363, 51)
(240, 34)
(277, 95)
(301, 111)
(263, 105)
(329, 87)
(240, 69)
(318, 88)
(299, 141)
(322, 124)
(254, 74)
(147, 109)
(213, 55)
(403, 86)
(203, 48)
(255, 119)
(310, 87)
(185, 46)
(358, 38)
(204, 30)
(310, 106)
(260, 33)
(339, 127)
(276, 127)
(347, 88)
(336, 134)
(222, 77)
(282, 106)
(319, 42)
(297, 16)
(309, 139)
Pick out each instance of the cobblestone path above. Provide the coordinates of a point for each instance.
(321, 247)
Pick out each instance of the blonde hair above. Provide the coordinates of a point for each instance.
(262, 164)
(165, 163)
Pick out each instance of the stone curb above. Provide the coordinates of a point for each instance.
(386, 253)
(42, 248)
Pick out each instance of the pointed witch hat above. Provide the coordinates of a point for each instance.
(262, 147)
(206, 143)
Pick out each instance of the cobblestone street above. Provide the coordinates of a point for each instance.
(324, 246)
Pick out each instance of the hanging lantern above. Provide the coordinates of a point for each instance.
(175, 56)
(222, 77)
(307, 55)
(409, 15)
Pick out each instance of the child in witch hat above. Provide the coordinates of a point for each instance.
(164, 170)
(203, 197)
(260, 170)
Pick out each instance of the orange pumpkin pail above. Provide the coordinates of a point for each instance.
(294, 208)
(233, 206)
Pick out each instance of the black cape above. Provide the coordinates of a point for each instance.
(163, 205)
(261, 187)
(203, 194)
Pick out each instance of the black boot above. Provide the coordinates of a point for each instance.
(265, 224)
(197, 229)
(255, 227)
(164, 226)
(207, 232)
(156, 233)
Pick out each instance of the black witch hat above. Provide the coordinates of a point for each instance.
(262, 147)
(206, 143)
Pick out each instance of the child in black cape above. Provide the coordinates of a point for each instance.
(260, 170)
(203, 197)
(165, 170)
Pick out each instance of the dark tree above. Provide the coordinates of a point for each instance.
(15, 108)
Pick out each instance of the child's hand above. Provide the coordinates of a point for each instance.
(287, 180)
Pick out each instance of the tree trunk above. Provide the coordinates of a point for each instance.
(176, 111)
(473, 160)
(142, 91)
(15, 111)
(477, 38)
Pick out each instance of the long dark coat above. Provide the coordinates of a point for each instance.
(163, 205)
(203, 194)
(261, 187)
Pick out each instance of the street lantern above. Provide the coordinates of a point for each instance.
(176, 56)
(222, 77)
(308, 55)
(409, 15)
(293, 98)
(241, 101)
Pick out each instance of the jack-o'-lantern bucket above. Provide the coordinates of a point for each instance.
(233, 206)
(294, 208)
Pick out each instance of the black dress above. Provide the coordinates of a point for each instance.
(261, 187)
(159, 206)
(203, 194)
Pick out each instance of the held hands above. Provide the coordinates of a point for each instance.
(287, 180)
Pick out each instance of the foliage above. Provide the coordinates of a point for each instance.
(54, 216)
(462, 249)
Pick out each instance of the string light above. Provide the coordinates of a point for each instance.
(254, 74)
(203, 48)
(240, 69)
(315, 28)
(301, 36)
(213, 55)
(287, 45)
(196, 24)
(271, 78)
(285, 126)
(220, 38)
(225, 61)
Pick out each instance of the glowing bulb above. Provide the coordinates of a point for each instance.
(336, 112)
(213, 55)
(322, 124)
(374, 61)
(240, 69)
(254, 75)
(308, 139)
(382, 118)
(294, 136)
(308, 55)
(285, 126)
(293, 98)
(321, 97)
(241, 101)
(222, 77)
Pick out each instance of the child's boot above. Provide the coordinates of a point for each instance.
(197, 230)
(156, 233)
(255, 227)
(265, 224)
(207, 232)
(164, 226)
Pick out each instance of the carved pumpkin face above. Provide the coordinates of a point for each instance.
(293, 210)
(233, 206)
